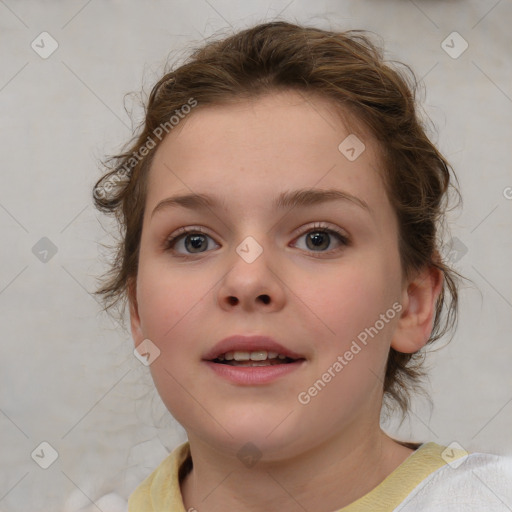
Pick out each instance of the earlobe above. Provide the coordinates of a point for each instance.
(419, 305)
(135, 324)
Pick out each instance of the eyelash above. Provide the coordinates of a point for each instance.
(319, 227)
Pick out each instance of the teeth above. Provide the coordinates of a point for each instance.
(242, 356)
(267, 362)
(257, 355)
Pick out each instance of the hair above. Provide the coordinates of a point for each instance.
(346, 68)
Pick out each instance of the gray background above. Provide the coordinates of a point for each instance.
(68, 375)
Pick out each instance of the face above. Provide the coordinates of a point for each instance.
(319, 274)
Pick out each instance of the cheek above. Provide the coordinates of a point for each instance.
(350, 360)
(356, 303)
(170, 305)
(347, 301)
(168, 299)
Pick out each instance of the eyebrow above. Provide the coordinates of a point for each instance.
(289, 199)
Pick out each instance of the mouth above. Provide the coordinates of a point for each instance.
(255, 358)
(252, 360)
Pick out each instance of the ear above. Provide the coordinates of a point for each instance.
(135, 324)
(419, 299)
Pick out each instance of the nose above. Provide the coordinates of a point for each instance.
(252, 286)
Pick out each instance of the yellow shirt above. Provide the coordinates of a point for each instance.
(160, 491)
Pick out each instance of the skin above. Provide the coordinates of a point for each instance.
(326, 454)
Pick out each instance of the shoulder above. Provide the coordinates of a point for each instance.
(473, 482)
(161, 489)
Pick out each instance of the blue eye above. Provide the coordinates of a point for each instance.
(193, 240)
(319, 239)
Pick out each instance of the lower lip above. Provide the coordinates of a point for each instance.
(254, 375)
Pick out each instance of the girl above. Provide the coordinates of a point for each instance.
(280, 258)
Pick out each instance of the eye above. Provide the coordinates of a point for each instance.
(320, 239)
(189, 241)
(193, 240)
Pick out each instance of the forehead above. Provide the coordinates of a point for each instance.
(248, 151)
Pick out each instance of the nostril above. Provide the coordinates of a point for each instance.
(233, 300)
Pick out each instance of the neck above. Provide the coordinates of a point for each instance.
(327, 477)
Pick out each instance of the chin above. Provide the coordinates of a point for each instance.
(259, 437)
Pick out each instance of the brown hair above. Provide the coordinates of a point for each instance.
(346, 68)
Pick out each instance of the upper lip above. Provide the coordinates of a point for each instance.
(239, 342)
